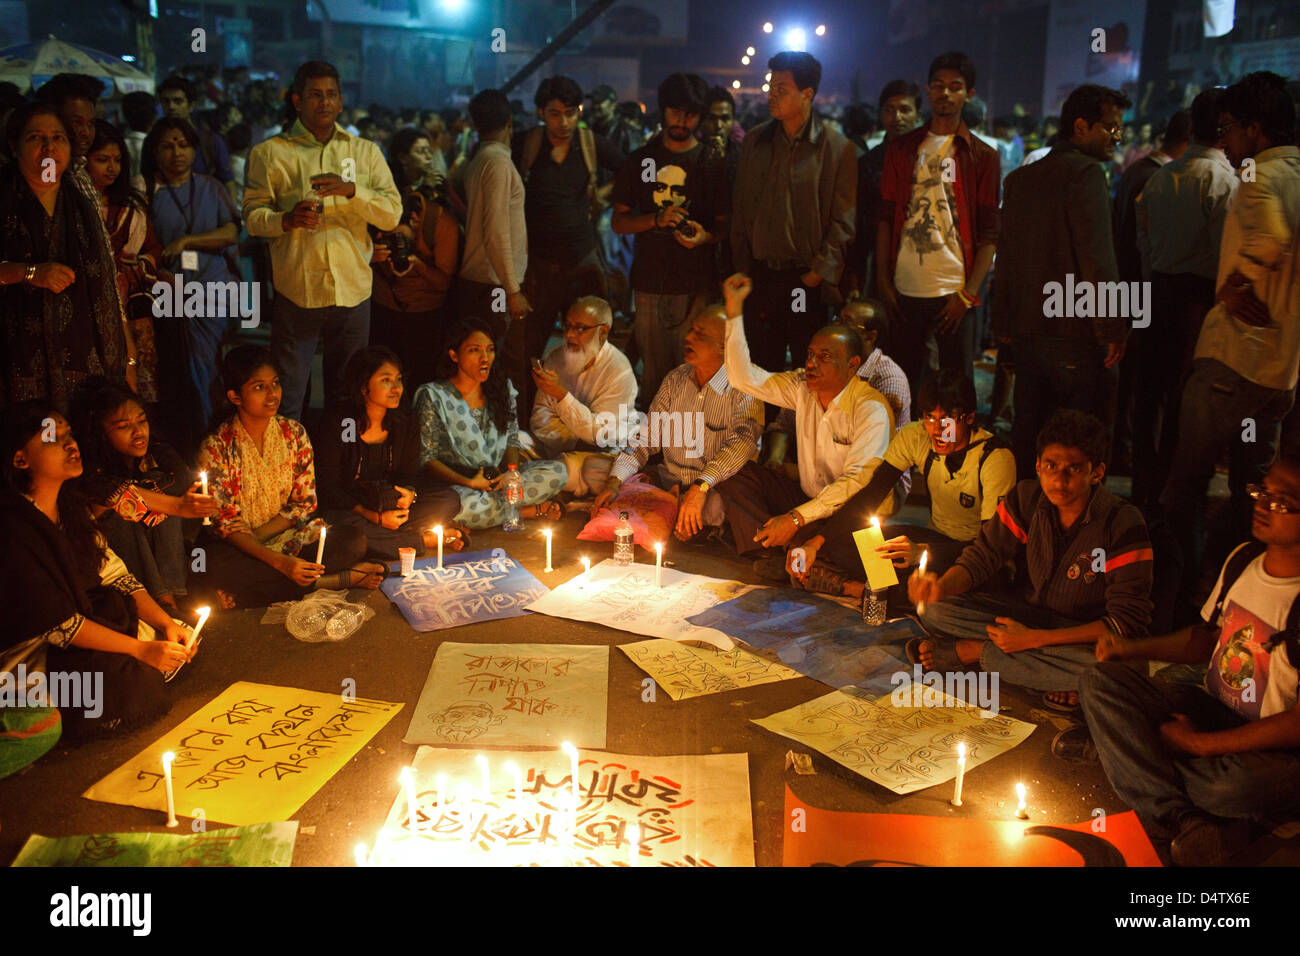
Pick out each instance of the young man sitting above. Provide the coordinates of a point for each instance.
(1083, 572)
(1186, 757)
(967, 472)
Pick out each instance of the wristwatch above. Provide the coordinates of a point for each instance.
(702, 484)
(30, 274)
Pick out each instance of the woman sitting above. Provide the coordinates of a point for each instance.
(469, 433)
(263, 541)
(70, 605)
(138, 486)
(368, 464)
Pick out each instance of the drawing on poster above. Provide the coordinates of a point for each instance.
(266, 844)
(686, 670)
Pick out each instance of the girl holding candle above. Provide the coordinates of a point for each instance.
(136, 483)
(262, 474)
(70, 603)
(368, 464)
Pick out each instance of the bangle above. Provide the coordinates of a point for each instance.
(796, 518)
(30, 273)
(970, 300)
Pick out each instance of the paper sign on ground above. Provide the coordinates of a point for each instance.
(684, 670)
(828, 837)
(513, 695)
(691, 811)
(902, 748)
(471, 587)
(627, 598)
(256, 753)
(266, 844)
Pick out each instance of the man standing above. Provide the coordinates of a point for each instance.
(938, 227)
(1244, 369)
(312, 191)
(176, 95)
(606, 120)
(719, 129)
(672, 195)
(139, 109)
(1061, 362)
(793, 210)
(1180, 215)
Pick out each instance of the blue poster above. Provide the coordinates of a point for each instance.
(816, 637)
(471, 587)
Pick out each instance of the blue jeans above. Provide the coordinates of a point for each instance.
(295, 332)
(1125, 709)
(966, 616)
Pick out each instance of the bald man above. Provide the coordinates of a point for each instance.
(714, 432)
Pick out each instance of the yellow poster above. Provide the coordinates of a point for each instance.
(685, 670)
(255, 754)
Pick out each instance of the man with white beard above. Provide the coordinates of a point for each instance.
(583, 385)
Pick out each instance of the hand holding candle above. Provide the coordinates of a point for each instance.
(167, 759)
(880, 570)
(320, 546)
(961, 774)
(203, 479)
(925, 556)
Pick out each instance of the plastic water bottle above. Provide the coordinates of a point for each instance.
(344, 622)
(623, 546)
(513, 486)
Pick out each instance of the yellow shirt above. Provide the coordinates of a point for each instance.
(330, 265)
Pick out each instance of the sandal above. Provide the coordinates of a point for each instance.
(1074, 745)
(943, 655)
(456, 537)
(552, 510)
(1061, 707)
(367, 571)
(823, 580)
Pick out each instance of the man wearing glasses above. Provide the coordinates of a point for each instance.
(585, 388)
(1198, 762)
(1055, 224)
(1084, 573)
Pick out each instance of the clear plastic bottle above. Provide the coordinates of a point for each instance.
(512, 485)
(344, 622)
(623, 545)
(874, 609)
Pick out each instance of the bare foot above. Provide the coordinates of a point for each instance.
(1066, 698)
(367, 574)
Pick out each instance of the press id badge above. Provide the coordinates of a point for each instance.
(189, 260)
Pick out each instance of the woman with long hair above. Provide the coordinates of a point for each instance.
(261, 471)
(368, 464)
(192, 214)
(136, 250)
(63, 321)
(70, 604)
(469, 434)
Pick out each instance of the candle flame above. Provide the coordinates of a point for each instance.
(875, 522)
(569, 749)
(407, 775)
(361, 854)
(167, 758)
(961, 752)
(1020, 793)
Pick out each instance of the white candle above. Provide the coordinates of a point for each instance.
(586, 564)
(572, 751)
(361, 854)
(320, 545)
(440, 796)
(925, 555)
(407, 779)
(1022, 812)
(167, 759)
(487, 779)
(634, 843)
(659, 564)
(548, 569)
(464, 800)
(437, 530)
(203, 477)
(961, 773)
(203, 619)
(517, 778)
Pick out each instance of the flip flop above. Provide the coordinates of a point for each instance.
(1074, 745)
(375, 571)
(943, 655)
(1057, 706)
(547, 510)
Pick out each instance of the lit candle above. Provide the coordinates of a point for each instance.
(320, 545)
(634, 843)
(361, 854)
(517, 778)
(586, 564)
(548, 569)
(925, 555)
(407, 779)
(167, 759)
(880, 570)
(203, 619)
(1022, 813)
(572, 751)
(659, 565)
(440, 795)
(961, 773)
(487, 780)
(203, 478)
(437, 530)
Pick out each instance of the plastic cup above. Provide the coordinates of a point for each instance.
(407, 557)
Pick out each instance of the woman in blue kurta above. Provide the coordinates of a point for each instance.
(469, 433)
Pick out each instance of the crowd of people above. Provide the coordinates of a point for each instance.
(815, 300)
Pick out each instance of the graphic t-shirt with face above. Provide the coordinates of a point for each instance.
(930, 262)
(1248, 671)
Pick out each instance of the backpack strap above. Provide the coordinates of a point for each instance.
(587, 142)
(532, 149)
(1233, 569)
(991, 444)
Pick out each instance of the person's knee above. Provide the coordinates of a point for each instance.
(348, 545)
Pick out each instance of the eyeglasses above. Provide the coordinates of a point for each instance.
(1220, 130)
(1114, 131)
(580, 329)
(1270, 500)
(1051, 468)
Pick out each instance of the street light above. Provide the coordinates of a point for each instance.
(765, 87)
(735, 84)
(749, 51)
(767, 27)
(796, 39)
(744, 60)
(821, 30)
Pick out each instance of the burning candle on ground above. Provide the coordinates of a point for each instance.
(320, 545)
(1022, 812)
(440, 795)
(572, 751)
(167, 759)
(437, 530)
(961, 773)
(407, 779)
(517, 779)
(586, 564)
(361, 854)
(548, 569)
(203, 480)
(925, 556)
(659, 564)
(634, 843)
(487, 778)
(464, 800)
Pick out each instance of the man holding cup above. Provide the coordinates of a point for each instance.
(312, 190)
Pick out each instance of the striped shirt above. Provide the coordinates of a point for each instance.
(1110, 537)
(732, 422)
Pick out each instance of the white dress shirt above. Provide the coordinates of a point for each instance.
(607, 388)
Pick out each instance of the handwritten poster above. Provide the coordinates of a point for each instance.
(689, 811)
(513, 695)
(684, 670)
(267, 844)
(628, 599)
(902, 748)
(838, 838)
(471, 587)
(256, 753)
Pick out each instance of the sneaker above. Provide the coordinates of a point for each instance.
(1208, 841)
